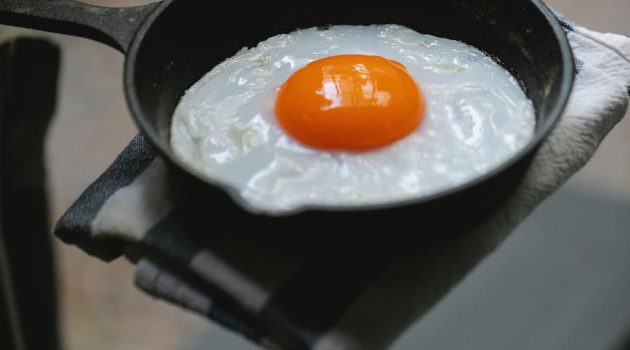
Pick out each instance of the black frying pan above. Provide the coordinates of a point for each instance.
(172, 44)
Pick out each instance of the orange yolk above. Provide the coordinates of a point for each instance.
(350, 102)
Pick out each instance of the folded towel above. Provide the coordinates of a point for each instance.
(284, 300)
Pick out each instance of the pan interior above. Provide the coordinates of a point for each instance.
(187, 39)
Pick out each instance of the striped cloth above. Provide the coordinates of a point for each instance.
(283, 300)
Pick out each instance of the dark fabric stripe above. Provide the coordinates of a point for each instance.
(227, 313)
(170, 239)
(264, 268)
(220, 310)
(183, 232)
(174, 242)
(228, 319)
(223, 309)
(317, 295)
(74, 225)
(567, 25)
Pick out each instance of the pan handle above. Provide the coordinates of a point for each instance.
(115, 27)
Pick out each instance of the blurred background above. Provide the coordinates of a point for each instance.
(577, 243)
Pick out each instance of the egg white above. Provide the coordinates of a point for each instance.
(476, 117)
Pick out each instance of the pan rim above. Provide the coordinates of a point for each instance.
(555, 113)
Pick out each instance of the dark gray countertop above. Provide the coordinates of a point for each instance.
(561, 281)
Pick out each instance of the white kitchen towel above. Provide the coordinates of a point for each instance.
(286, 301)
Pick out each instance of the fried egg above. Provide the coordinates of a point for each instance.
(350, 116)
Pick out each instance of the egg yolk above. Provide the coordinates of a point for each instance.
(350, 102)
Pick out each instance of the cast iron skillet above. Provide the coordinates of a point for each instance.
(171, 44)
